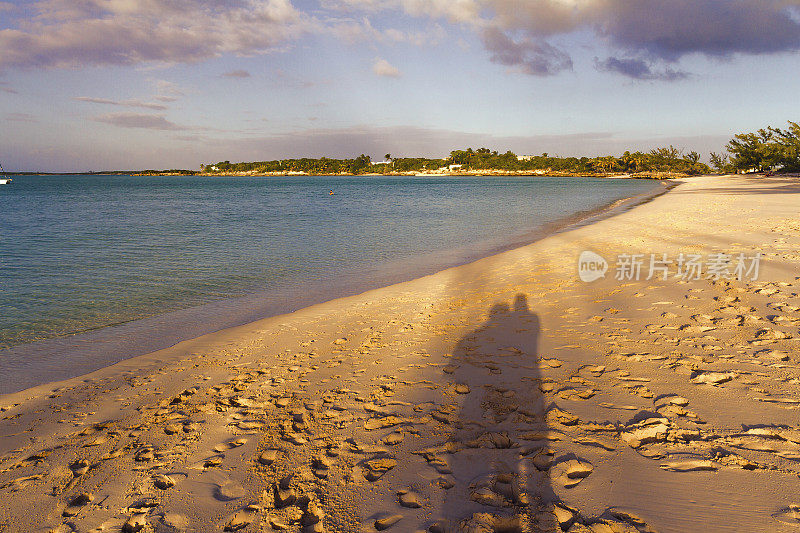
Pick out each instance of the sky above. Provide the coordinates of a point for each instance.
(139, 84)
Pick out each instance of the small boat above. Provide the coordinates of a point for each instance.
(4, 180)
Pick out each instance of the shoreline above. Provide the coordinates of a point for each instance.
(503, 393)
(654, 175)
(121, 337)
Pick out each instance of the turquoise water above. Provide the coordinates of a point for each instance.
(78, 253)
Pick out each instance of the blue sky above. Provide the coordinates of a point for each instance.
(131, 84)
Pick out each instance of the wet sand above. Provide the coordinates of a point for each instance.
(501, 395)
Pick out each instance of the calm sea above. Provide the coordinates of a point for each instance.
(171, 258)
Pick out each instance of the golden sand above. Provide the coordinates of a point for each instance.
(502, 395)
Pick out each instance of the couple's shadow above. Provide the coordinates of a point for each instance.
(501, 467)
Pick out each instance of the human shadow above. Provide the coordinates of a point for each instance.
(501, 463)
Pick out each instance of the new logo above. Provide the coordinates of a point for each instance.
(591, 266)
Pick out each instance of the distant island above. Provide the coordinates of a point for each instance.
(762, 151)
(86, 173)
(766, 150)
(660, 163)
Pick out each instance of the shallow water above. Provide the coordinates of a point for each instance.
(78, 253)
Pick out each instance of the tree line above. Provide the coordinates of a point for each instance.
(663, 160)
(765, 150)
(666, 160)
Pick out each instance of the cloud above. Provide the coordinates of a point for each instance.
(358, 31)
(671, 30)
(66, 33)
(532, 57)
(122, 103)
(648, 31)
(354, 31)
(649, 35)
(138, 120)
(4, 87)
(639, 35)
(638, 69)
(167, 91)
(236, 74)
(663, 29)
(381, 67)
(452, 10)
(21, 117)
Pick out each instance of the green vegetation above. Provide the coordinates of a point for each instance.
(324, 165)
(172, 172)
(663, 160)
(763, 151)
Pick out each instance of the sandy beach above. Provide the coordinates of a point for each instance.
(503, 395)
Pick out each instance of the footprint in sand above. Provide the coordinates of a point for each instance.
(498, 490)
(712, 378)
(81, 466)
(789, 515)
(242, 518)
(386, 522)
(212, 462)
(392, 439)
(137, 522)
(462, 388)
(283, 492)
(268, 457)
(408, 498)
(374, 469)
(320, 465)
(77, 503)
(689, 466)
(570, 470)
(225, 446)
(163, 481)
(175, 521)
(228, 491)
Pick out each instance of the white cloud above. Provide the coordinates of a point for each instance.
(645, 38)
(66, 33)
(21, 117)
(120, 103)
(452, 10)
(236, 74)
(138, 120)
(381, 67)
(167, 91)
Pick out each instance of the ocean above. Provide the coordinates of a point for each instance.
(96, 269)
